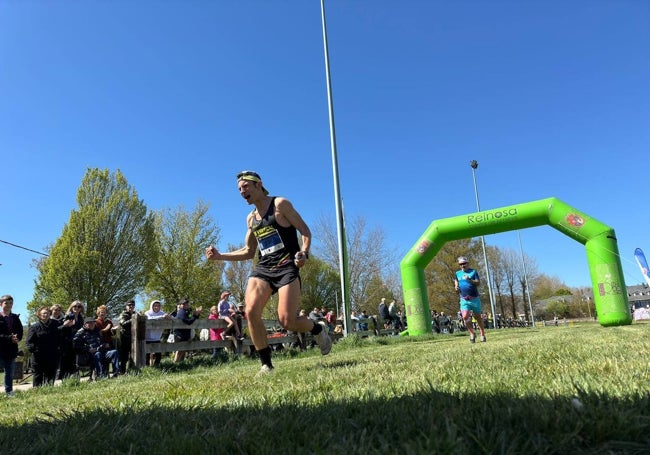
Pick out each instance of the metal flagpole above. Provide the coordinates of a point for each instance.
(474, 165)
(340, 225)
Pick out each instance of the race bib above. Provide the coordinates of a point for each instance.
(268, 240)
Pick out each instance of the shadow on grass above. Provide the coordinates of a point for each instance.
(427, 422)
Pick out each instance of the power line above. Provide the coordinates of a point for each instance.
(24, 248)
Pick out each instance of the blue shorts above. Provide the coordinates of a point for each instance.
(473, 305)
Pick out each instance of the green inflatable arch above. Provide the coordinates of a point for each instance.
(610, 294)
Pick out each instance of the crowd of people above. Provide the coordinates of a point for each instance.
(58, 342)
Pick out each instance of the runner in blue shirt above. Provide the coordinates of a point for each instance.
(466, 283)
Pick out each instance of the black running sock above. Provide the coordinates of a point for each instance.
(265, 356)
(316, 329)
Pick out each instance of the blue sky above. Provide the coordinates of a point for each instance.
(551, 98)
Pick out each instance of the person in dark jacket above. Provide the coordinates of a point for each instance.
(88, 342)
(44, 341)
(124, 347)
(76, 312)
(11, 332)
(188, 317)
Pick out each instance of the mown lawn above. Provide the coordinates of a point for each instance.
(565, 390)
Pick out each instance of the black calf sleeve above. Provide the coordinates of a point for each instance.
(265, 356)
(316, 329)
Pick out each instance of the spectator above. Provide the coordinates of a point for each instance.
(435, 321)
(216, 334)
(68, 364)
(330, 320)
(402, 319)
(394, 317)
(384, 315)
(444, 323)
(240, 315)
(363, 321)
(11, 332)
(124, 348)
(227, 313)
(89, 345)
(44, 341)
(105, 326)
(154, 335)
(315, 315)
(354, 320)
(187, 316)
(57, 313)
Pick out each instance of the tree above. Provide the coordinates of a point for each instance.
(558, 307)
(499, 282)
(320, 285)
(103, 255)
(524, 279)
(236, 273)
(546, 286)
(368, 258)
(180, 268)
(511, 265)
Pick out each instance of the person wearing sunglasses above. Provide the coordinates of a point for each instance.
(273, 228)
(466, 283)
(75, 313)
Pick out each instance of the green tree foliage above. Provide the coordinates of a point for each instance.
(320, 285)
(104, 252)
(546, 286)
(180, 268)
(558, 307)
(563, 291)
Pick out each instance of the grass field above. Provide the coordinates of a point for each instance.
(565, 390)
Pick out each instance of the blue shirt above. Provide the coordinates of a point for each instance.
(468, 290)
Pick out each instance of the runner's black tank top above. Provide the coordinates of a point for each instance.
(277, 245)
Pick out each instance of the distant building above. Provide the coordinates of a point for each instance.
(639, 296)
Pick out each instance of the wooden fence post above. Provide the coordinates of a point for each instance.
(138, 329)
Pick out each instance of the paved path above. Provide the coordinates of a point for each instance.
(26, 383)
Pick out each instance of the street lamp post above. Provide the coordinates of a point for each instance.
(340, 223)
(474, 165)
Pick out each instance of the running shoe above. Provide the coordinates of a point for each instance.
(265, 370)
(323, 339)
